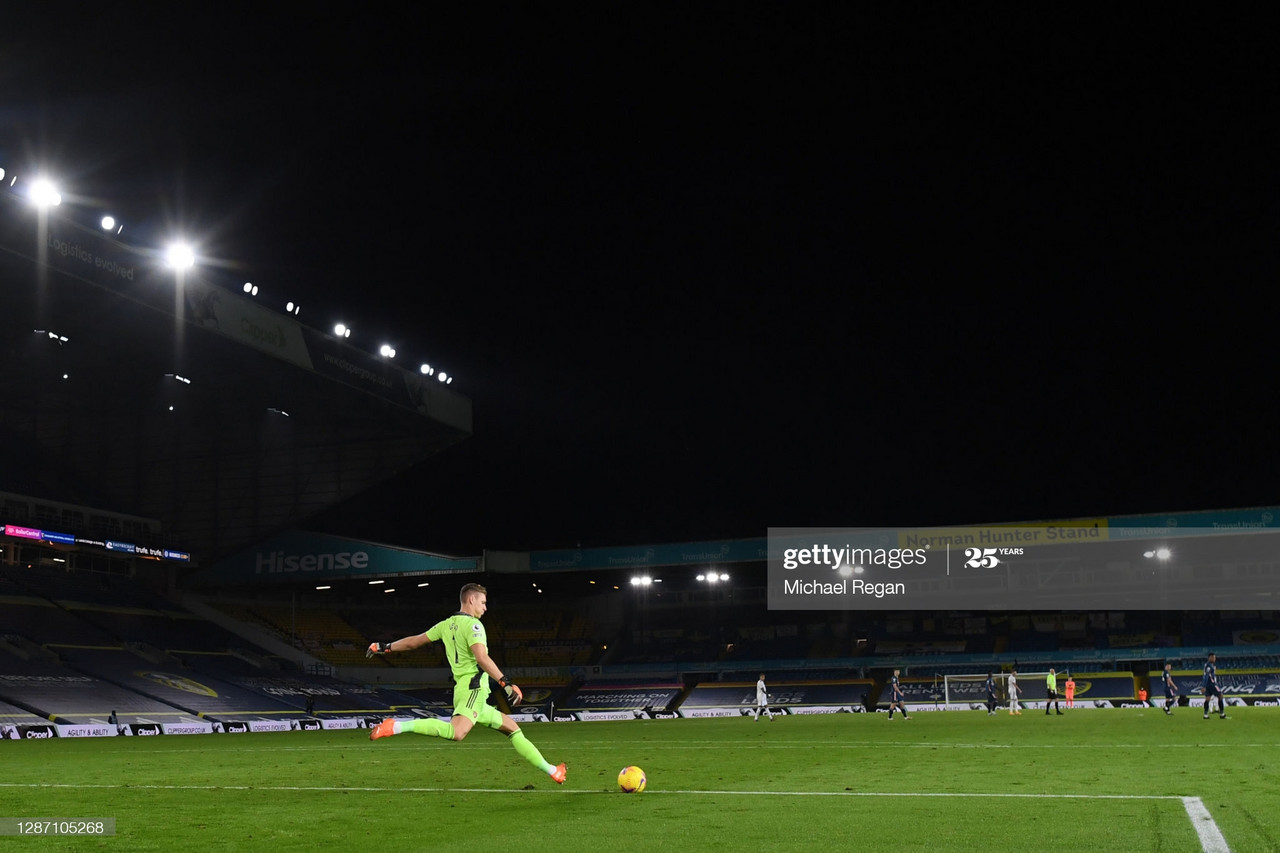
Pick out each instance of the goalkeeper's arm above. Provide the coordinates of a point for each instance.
(404, 644)
(514, 694)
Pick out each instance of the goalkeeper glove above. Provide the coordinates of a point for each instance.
(377, 649)
(514, 694)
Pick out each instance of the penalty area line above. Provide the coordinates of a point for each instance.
(1211, 839)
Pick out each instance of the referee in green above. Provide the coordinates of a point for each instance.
(1051, 691)
(466, 646)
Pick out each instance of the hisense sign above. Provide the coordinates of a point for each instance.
(314, 556)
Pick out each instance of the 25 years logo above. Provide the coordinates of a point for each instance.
(985, 558)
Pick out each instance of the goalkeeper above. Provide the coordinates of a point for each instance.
(467, 650)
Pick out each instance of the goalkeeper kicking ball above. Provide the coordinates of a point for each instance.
(631, 780)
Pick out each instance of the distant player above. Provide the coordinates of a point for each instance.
(896, 696)
(1211, 688)
(1170, 691)
(762, 700)
(1071, 691)
(991, 694)
(1014, 708)
(466, 647)
(1051, 691)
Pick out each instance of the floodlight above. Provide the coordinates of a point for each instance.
(341, 331)
(371, 583)
(426, 369)
(293, 308)
(444, 377)
(108, 222)
(251, 288)
(180, 256)
(324, 587)
(44, 194)
(387, 351)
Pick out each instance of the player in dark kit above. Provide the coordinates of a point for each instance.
(896, 696)
(1170, 691)
(991, 694)
(1211, 688)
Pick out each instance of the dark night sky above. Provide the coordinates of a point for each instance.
(706, 271)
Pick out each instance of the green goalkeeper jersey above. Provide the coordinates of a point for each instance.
(459, 633)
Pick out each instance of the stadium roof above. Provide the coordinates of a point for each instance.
(130, 387)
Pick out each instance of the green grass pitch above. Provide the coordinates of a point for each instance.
(959, 781)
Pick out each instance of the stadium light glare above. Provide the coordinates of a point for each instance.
(390, 589)
(251, 288)
(426, 369)
(443, 377)
(293, 308)
(324, 587)
(387, 351)
(1, 174)
(44, 194)
(341, 331)
(108, 222)
(371, 583)
(424, 583)
(1161, 553)
(180, 256)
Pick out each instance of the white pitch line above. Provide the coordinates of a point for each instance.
(1210, 836)
(1211, 840)
(420, 790)
(737, 745)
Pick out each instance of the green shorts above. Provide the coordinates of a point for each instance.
(474, 704)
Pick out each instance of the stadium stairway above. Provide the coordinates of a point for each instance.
(256, 635)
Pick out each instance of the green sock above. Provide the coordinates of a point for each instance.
(529, 752)
(435, 728)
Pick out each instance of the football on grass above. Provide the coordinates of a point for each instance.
(631, 780)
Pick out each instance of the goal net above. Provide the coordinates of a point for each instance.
(971, 688)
